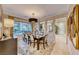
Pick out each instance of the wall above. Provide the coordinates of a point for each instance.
(51, 38)
(0, 34)
(0, 30)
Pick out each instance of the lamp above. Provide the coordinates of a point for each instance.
(8, 23)
(33, 19)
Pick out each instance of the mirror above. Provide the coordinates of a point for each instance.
(74, 26)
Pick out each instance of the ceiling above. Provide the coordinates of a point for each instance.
(40, 10)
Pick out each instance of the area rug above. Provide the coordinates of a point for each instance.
(47, 51)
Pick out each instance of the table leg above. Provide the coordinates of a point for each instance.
(38, 44)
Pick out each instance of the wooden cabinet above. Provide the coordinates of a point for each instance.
(4, 28)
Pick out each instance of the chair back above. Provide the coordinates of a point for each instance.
(31, 37)
(45, 37)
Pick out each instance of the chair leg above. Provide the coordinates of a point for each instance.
(30, 42)
(26, 40)
(46, 43)
(34, 43)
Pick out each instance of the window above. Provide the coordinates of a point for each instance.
(42, 28)
(49, 26)
(21, 27)
(61, 26)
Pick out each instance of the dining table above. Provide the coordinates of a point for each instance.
(38, 38)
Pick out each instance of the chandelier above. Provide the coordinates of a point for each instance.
(33, 19)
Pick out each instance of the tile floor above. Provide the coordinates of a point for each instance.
(61, 48)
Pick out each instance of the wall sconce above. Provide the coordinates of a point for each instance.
(8, 23)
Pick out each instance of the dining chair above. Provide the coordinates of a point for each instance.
(35, 40)
(31, 39)
(43, 40)
(25, 37)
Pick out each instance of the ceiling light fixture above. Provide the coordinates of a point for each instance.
(33, 19)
